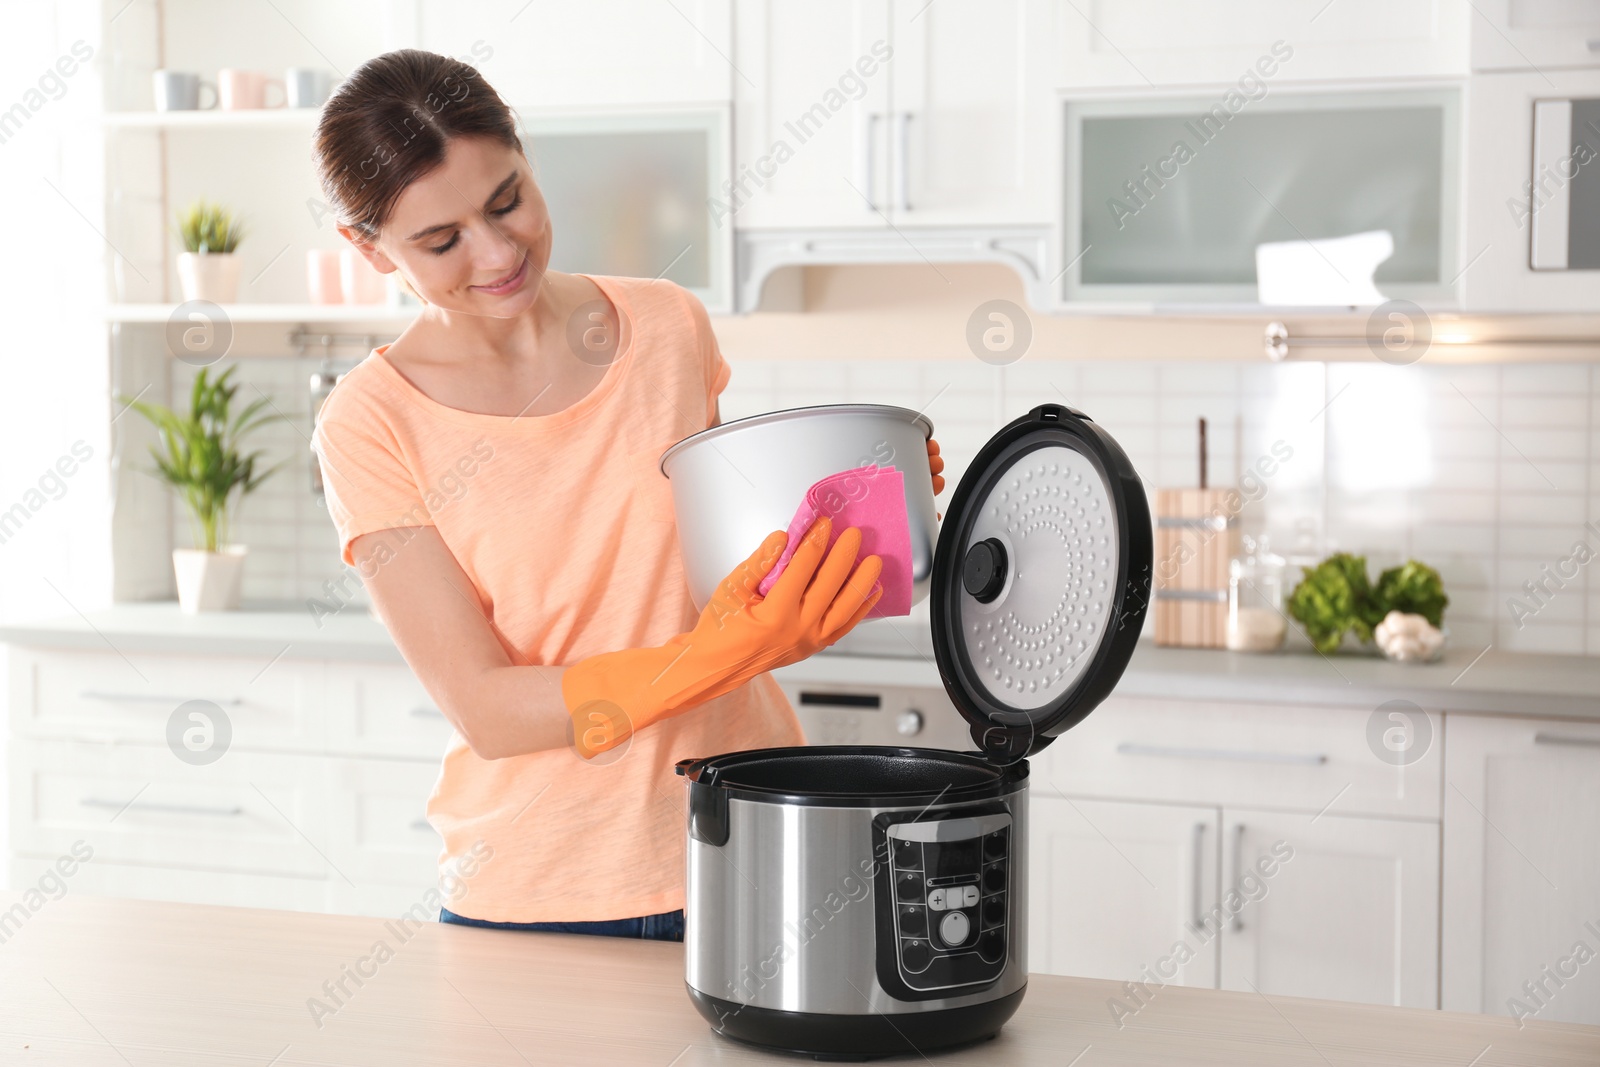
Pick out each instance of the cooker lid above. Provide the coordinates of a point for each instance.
(1041, 579)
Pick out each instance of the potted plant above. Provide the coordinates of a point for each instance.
(199, 455)
(208, 269)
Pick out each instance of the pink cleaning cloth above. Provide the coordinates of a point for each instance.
(872, 499)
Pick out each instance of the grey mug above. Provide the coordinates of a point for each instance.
(179, 90)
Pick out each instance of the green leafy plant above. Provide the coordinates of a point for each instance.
(206, 227)
(1414, 588)
(200, 455)
(1335, 597)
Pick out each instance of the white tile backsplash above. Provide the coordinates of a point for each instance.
(1488, 473)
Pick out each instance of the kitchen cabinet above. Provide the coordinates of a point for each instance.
(1317, 861)
(867, 114)
(1502, 192)
(1535, 35)
(1115, 887)
(1522, 869)
(1143, 43)
(1353, 915)
(603, 53)
(316, 802)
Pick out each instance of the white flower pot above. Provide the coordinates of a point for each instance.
(209, 581)
(212, 276)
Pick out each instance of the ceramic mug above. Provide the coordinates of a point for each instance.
(358, 280)
(246, 90)
(307, 86)
(322, 276)
(179, 90)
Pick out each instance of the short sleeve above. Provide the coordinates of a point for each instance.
(716, 368)
(365, 481)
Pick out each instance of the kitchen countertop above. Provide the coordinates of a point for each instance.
(100, 981)
(898, 652)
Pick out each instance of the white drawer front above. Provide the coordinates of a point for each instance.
(378, 828)
(246, 812)
(382, 709)
(1292, 758)
(102, 877)
(94, 696)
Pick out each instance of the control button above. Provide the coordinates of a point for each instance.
(992, 946)
(994, 910)
(994, 846)
(908, 854)
(916, 955)
(994, 879)
(954, 928)
(936, 901)
(909, 887)
(913, 921)
(969, 895)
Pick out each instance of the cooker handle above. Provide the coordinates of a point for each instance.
(694, 770)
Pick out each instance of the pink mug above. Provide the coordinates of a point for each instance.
(246, 90)
(361, 283)
(322, 276)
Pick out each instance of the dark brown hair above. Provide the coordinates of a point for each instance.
(388, 124)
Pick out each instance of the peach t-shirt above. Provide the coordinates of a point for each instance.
(564, 524)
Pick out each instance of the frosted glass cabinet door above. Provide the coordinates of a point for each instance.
(632, 195)
(1166, 200)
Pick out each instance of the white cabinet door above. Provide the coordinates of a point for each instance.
(1522, 869)
(811, 111)
(972, 129)
(597, 53)
(1122, 891)
(1172, 42)
(1535, 34)
(1334, 907)
(1500, 198)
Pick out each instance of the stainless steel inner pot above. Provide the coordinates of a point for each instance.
(733, 484)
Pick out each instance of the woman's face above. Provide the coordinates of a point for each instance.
(473, 235)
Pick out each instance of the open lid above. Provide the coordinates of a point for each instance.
(1041, 579)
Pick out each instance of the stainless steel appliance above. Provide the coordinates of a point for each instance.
(735, 483)
(864, 900)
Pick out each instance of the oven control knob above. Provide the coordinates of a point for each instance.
(909, 722)
(955, 927)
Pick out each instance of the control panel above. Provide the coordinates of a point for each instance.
(950, 882)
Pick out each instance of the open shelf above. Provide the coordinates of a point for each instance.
(285, 118)
(246, 313)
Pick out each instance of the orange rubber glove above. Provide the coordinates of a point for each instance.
(739, 634)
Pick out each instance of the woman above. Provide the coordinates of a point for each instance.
(492, 475)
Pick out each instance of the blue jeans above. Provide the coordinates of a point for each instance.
(667, 926)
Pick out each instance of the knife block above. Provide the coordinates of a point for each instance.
(1197, 534)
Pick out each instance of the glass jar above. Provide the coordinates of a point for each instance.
(1256, 622)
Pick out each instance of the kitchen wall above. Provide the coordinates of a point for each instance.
(1489, 472)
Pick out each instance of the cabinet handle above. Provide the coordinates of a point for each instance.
(1194, 885)
(170, 809)
(153, 698)
(870, 156)
(1134, 748)
(425, 711)
(903, 175)
(1542, 738)
(1238, 870)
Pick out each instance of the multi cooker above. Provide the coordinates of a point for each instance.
(857, 901)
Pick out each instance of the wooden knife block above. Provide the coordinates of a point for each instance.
(1197, 534)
